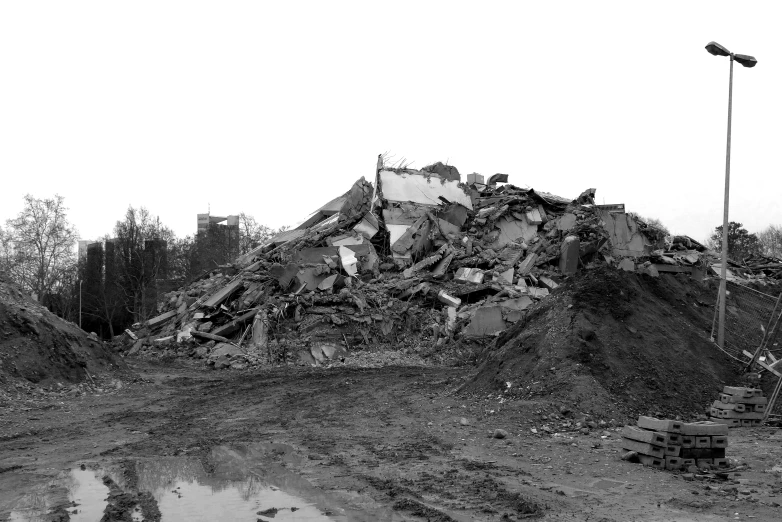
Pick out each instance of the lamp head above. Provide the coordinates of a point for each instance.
(716, 49)
(745, 60)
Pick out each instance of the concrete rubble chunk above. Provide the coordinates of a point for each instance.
(487, 321)
(627, 265)
(469, 275)
(569, 255)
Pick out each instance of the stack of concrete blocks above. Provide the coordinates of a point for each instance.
(739, 407)
(674, 445)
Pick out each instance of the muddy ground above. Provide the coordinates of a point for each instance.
(384, 444)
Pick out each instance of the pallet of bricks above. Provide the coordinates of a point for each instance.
(739, 407)
(676, 445)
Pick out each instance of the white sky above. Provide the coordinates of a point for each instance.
(273, 108)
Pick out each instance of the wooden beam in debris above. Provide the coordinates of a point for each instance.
(210, 336)
(229, 328)
(762, 364)
(155, 321)
(661, 267)
(223, 294)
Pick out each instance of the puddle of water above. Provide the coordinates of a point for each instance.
(246, 480)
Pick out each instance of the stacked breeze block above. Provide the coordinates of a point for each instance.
(739, 407)
(677, 445)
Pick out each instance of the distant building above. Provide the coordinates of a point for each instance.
(83, 244)
(216, 242)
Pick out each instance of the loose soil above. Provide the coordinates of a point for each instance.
(38, 347)
(615, 345)
(391, 436)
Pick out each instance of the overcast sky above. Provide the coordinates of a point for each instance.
(273, 108)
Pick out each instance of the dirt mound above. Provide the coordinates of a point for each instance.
(613, 343)
(40, 347)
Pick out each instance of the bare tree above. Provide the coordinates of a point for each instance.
(652, 222)
(141, 258)
(771, 241)
(252, 234)
(40, 244)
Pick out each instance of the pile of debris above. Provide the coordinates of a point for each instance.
(674, 445)
(413, 261)
(38, 347)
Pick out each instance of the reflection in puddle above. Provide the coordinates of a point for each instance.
(247, 485)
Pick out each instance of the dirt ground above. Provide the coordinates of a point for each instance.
(390, 444)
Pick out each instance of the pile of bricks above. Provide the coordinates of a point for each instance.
(674, 445)
(739, 407)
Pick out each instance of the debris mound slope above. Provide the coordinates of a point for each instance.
(38, 346)
(613, 343)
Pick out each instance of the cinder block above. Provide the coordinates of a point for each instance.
(704, 428)
(673, 463)
(758, 392)
(752, 422)
(745, 415)
(643, 448)
(672, 438)
(728, 406)
(719, 441)
(758, 408)
(743, 400)
(702, 453)
(703, 442)
(738, 391)
(654, 462)
(686, 463)
(673, 450)
(718, 413)
(650, 437)
(720, 463)
(704, 463)
(730, 423)
(688, 441)
(650, 423)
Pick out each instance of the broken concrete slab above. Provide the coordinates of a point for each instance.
(469, 275)
(548, 282)
(537, 293)
(518, 304)
(448, 300)
(533, 217)
(512, 230)
(528, 264)
(627, 265)
(569, 255)
(368, 226)
(348, 260)
(486, 321)
(505, 277)
(566, 222)
(425, 190)
(223, 293)
(626, 238)
(160, 319)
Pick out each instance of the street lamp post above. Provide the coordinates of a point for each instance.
(80, 282)
(747, 61)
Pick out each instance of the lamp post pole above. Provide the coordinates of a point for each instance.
(80, 282)
(724, 260)
(747, 61)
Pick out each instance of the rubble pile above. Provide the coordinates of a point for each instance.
(739, 406)
(674, 445)
(38, 347)
(413, 261)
